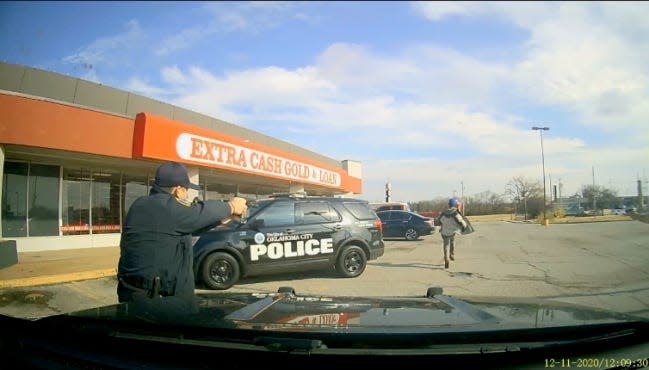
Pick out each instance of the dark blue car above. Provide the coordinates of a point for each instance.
(404, 224)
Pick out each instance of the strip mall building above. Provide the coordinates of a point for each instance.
(74, 155)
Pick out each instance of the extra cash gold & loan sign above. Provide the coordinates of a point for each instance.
(211, 151)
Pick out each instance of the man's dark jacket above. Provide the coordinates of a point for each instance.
(157, 242)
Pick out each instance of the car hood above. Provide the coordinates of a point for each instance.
(432, 324)
(286, 311)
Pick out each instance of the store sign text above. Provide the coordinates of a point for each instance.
(210, 151)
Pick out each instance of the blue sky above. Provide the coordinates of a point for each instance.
(426, 95)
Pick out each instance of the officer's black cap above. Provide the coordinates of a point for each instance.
(173, 174)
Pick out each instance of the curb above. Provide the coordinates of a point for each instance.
(57, 279)
(565, 223)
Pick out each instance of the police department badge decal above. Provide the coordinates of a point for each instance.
(259, 238)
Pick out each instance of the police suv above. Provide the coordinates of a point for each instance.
(287, 233)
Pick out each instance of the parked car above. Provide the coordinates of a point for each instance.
(386, 206)
(429, 214)
(289, 233)
(405, 224)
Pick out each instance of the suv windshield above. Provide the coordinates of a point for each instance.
(253, 208)
(445, 178)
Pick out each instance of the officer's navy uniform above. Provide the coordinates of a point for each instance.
(156, 256)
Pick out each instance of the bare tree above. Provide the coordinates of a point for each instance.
(605, 198)
(522, 190)
(486, 203)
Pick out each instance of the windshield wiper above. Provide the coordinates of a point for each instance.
(252, 310)
(467, 308)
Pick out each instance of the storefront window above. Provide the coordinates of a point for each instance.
(43, 200)
(14, 199)
(225, 191)
(75, 202)
(218, 191)
(134, 187)
(30, 200)
(105, 202)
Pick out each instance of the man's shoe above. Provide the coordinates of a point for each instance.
(452, 258)
(446, 263)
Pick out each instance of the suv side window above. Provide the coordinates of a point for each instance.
(361, 211)
(278, 214)
(399, 216)
(384, 215)
(315, 212)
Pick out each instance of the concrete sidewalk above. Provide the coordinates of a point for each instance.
(54, 267)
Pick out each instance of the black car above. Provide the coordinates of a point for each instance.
(290, 233)
(404, 224)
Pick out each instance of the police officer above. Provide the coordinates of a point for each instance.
(156, 255)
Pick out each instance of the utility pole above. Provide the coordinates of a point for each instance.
(551, 193)
(594, 193)
(540, 130)
(388, 192)
(463, 201)
(640, 196)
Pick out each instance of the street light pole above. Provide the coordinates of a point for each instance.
(540, 130)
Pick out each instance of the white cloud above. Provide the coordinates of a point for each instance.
(265, 90)
(440, 102)
(174, 76)
(226, 18)
(108, 51)
(437, 10)
(522, 13)
(251, 17)
(420, 72)
(578, 61)
(141, 87)
(588, 58)
(182, 40)
(431, 177)
(310, 98)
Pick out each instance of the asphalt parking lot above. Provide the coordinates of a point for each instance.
(605, 265)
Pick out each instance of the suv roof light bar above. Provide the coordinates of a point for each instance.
(301, 194)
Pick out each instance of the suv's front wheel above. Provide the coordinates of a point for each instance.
(351, 261)
(220, 271)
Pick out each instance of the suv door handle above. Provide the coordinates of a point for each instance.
(338, 227)
(290, 231)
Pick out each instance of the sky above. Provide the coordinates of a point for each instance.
(436, 98)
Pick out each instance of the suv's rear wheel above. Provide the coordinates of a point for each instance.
(411, 234)
(220, 271)
(351, 261)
